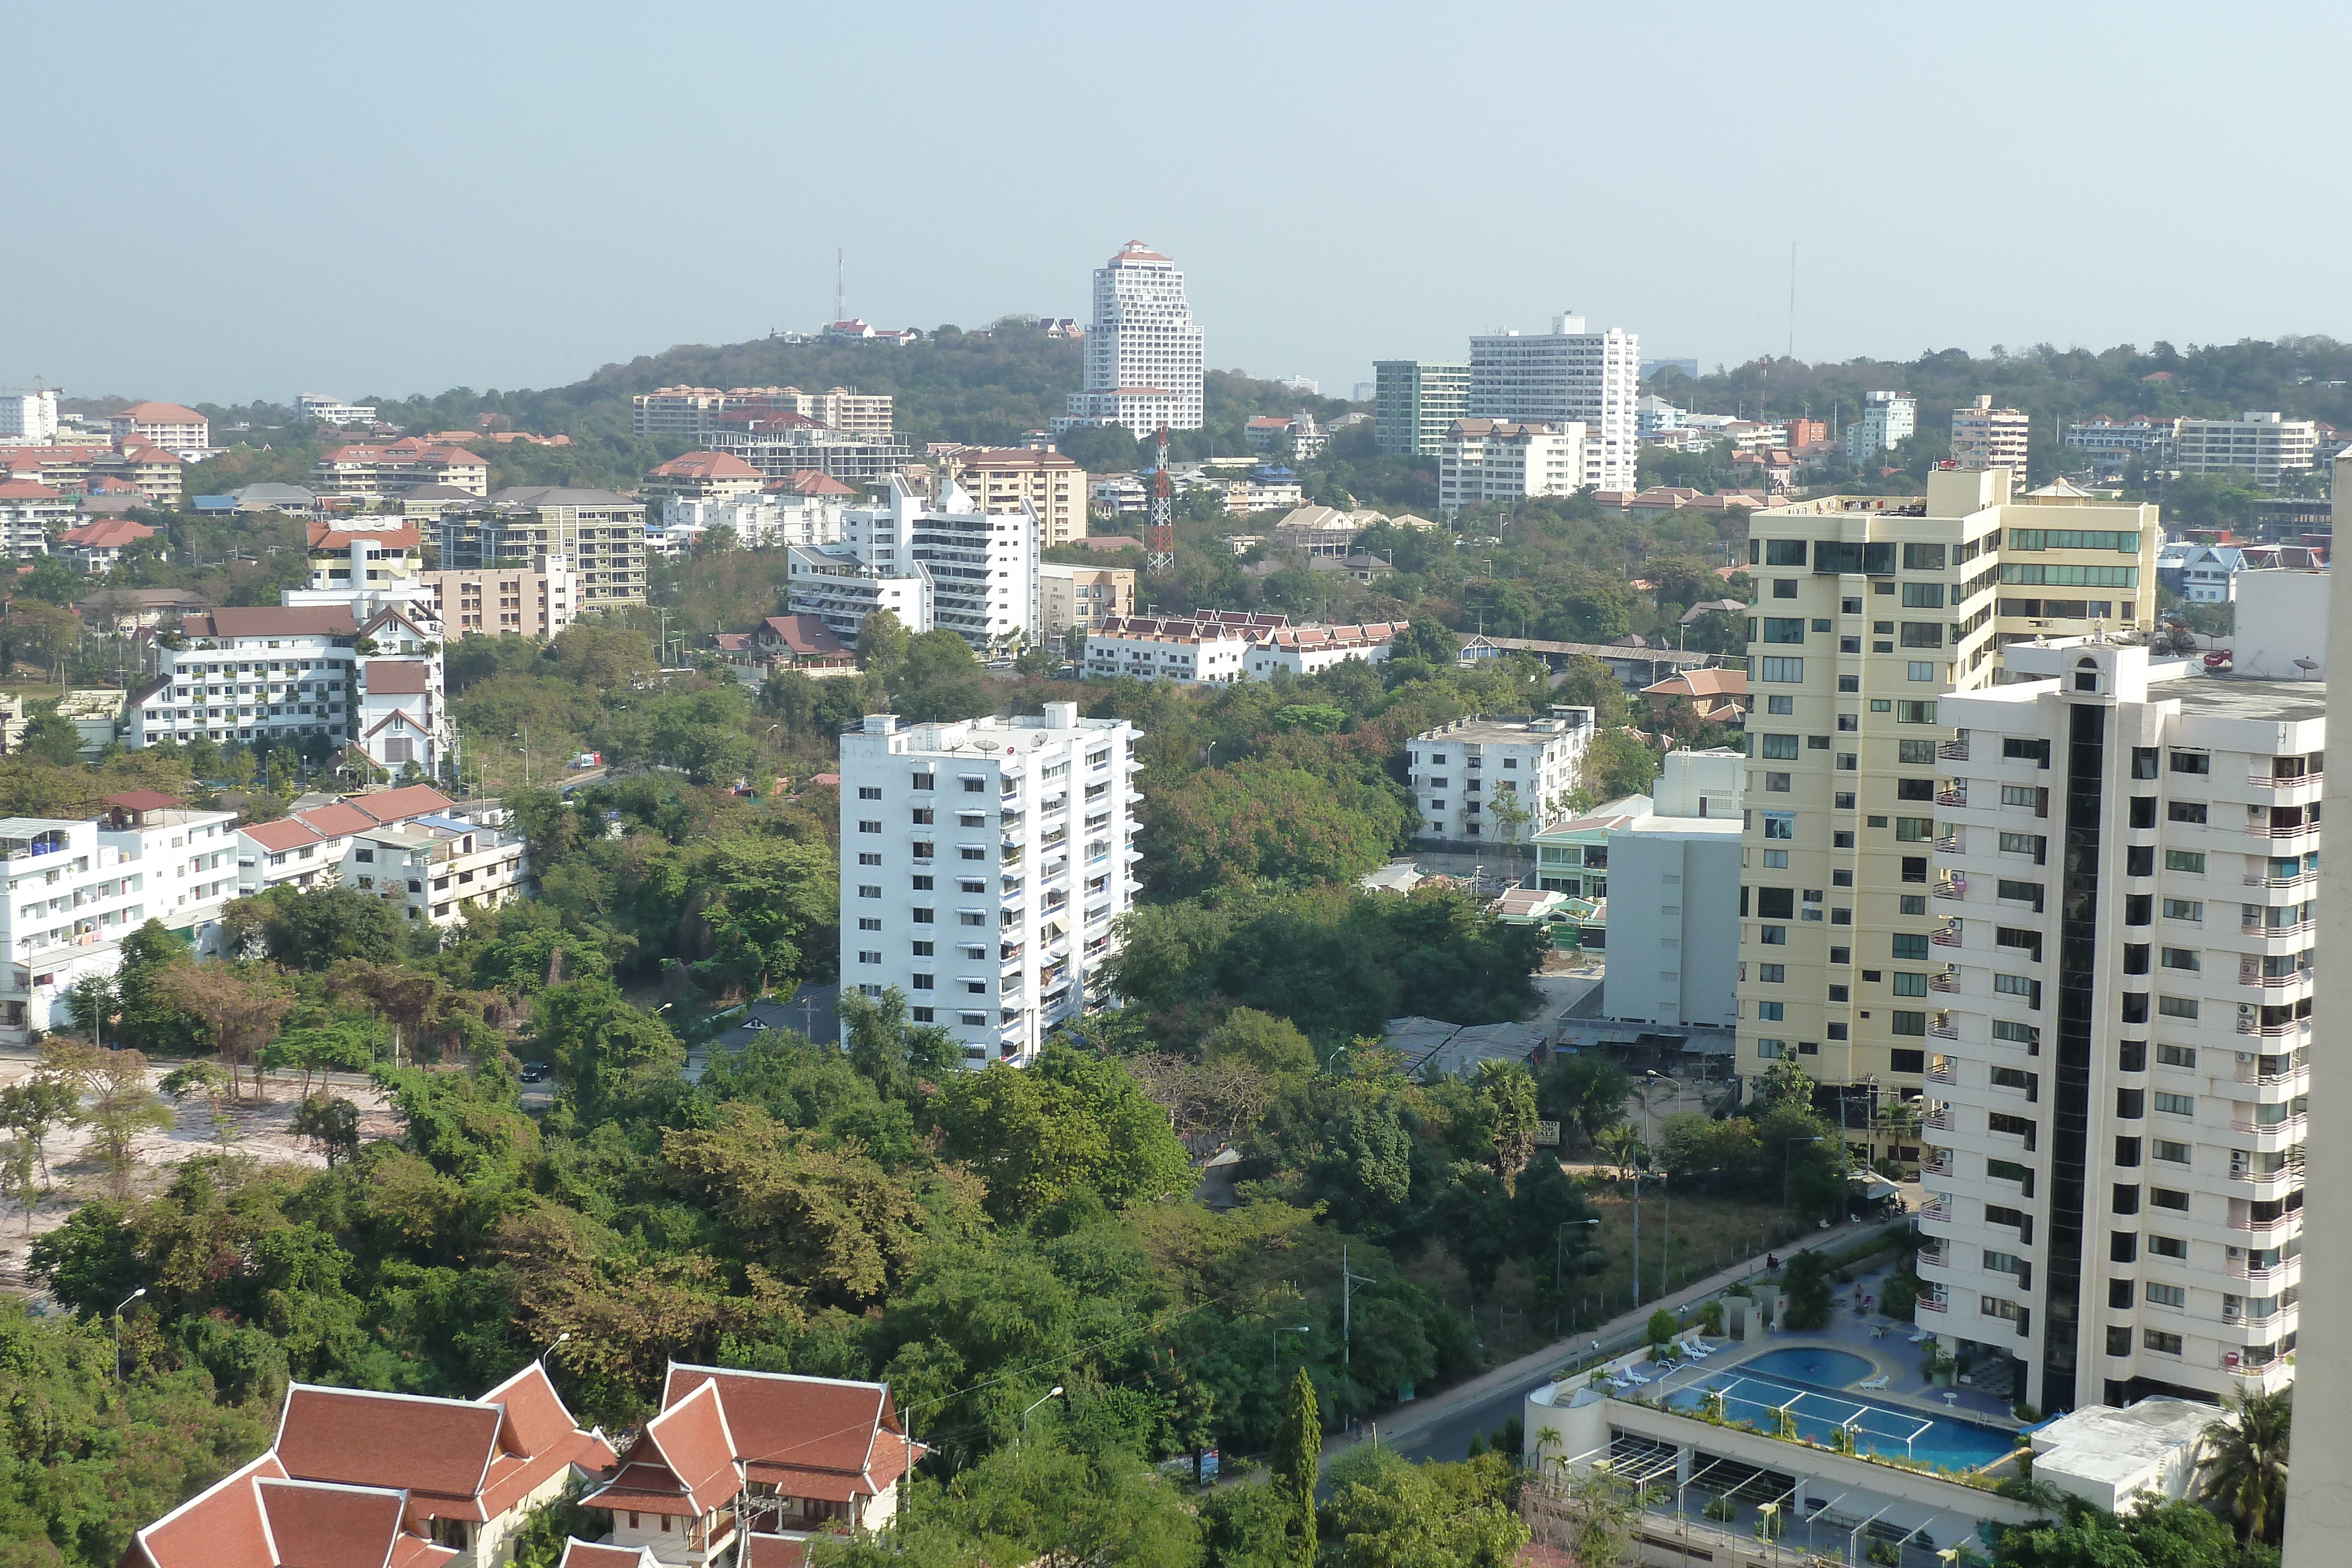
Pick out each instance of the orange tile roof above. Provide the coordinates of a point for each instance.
(285, 833)
(814, 1436)
(705, 466)
(326, 536)
(270, 621)
(395, 678)
(107, 533)
(160, 413)
(682, 1463)
(439, 1450)
(32, 490)
(410, 801)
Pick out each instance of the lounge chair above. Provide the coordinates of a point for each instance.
(1697, 1351)
(1922, 1336)
(1878, 1381)
(1635, 1378)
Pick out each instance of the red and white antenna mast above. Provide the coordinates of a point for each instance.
(1159, 556)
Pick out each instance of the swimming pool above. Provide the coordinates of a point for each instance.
(1759, 1388)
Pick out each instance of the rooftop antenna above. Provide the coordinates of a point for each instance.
(840, 286)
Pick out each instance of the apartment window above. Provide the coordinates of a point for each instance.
(2168, 1247)
(922, 781)
(2032, 844)
(1908, 1023)
(2177, 1056)
(1923, 634)
(868, 858)
(1909, 985)
(1776, 783)
(869, 793)
(869, 923)
(2182, 909)
(868, 890)
(869, 956)
(2176, 1104)
(2169, 1151)
(974, 786)
(1770, 1049)
(2165, 1197)
(1781, 671)
(2184, 811)
(1914, 830)
(2183, 958)
(1779, 747)
(2158, 1340)
(924, 916)
(869, 827)
(1769, 1012)
(1914, 713)
(923, 884)
(2126, 1198)
(2010, 1170)
(2189, 861)
(1779, 824)
(1922, 669)
(2177, 1007)
(2191, 762)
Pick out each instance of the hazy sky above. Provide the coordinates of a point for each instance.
(260, 200)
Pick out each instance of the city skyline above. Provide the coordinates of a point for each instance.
(526, 300)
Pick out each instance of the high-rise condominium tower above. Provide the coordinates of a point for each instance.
(1566, 375)
(985, 866)
(1144, 364)
(1868, 610)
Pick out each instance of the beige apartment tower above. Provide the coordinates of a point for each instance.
(999, 479)
(1868, 608)
(1984, 436)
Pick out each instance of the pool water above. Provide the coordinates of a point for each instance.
(1823, 1367)
(1806, 1383)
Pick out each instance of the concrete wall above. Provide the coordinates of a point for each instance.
(2319, 1484)
(2282, 617)
(1674, 910)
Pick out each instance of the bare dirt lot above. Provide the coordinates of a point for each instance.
(257, 1129)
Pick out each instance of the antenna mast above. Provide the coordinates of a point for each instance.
(1159, 559)
(840, 286)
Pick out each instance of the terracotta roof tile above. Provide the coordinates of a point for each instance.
(395, 677)
(437, 1449)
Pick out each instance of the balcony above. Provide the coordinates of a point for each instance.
(2278, 884)
(2254, 1072)
(2293, 1028)
(1954, 886)
(1939, 1120)
(1936, 1210)
(1953, 751)
(1949, 844)
(1953, 794)
(2256, 928)
(1943, 1071)
(1940, 1164)
(2275, 781)
(2254, 976)
(2285, 1176)
(1931, 1300)
(1941, 1027)
(1008, 952)
(2289, 1125)
(1948, 980)
(1947, 935)
(1935, 1254)
(2282, 830)
(2276, 1274)
(2270, 1226)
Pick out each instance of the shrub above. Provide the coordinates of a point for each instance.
(1710, 1317)
(1660, 1328)
(1721, 1509)
(1806, 1285)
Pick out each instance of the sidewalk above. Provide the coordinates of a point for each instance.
(1402, 1425)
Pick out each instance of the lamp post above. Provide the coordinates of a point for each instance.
(1788, 1154)
(1556, 1236)
(1303, 1328)
(118, 1330)
(1665, 1248)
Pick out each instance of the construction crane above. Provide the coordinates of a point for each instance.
(1160, 555)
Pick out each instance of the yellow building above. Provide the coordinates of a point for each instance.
(998, 479)
(1082, 596)
(1867, 609)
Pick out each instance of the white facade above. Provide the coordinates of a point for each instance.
(1674, 898)
(29, 512)
(1887, 420)
(766, 521)
(1567, 375)
(2267, 446)
(2282, 632)
(75, 889)
(1180, 653)
(1310, 650)
(2120, 1033)
(983, 864)
(1416, 403)
(946, 565)
(1460, 772)
(177, 430)
(333, 410)
(1483, 460)
(29, 418)
(1144, 364)
(433, 868)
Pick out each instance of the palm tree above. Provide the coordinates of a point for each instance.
(1623, 1144)
(2244, 1469)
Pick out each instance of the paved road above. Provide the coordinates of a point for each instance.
(1441, 1427)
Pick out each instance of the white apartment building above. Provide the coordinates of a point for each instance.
(29, 418)
(1984, 436)
(75, 889)
(691, 412)
(1483, 460)
(30, 514)
(364, 564)
(702, 476)
(1210, 649)
(1565, 376)
(177, 430)
(2267, 446)
(2115, 440)
(782, 444)
(2119, 1031)
(1674, 899)
(1887, 420)
(333, 410)
(262, 674)
(1416, 403)
(436, 868)
(1310, 650)
(946, 564)
(1496, 780)
(1144, 359)
(1003, 479)
(364, 473)
(983, 866)
(1870, 610)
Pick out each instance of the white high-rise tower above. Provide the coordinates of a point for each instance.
(1144, 359)
(1567, 375)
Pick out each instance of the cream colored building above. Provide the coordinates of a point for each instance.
(531, 602)
(1483, 460)
(1000, 478)
(690, 412)
(2267, 446)
(599, 534)
(1985, 437)
(1868, 608)
(1072, 595)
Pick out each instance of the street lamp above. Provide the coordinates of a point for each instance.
(1555, 1269)
(117, 1329)
(1788, 1153)
(1056, 1393)
(1303, 1328)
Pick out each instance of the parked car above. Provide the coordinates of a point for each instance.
(536, 1071)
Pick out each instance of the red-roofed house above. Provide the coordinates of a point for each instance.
(260, 1517)
(703, 476)
(316, 848)
(97, 547)
(470, 1469)
(800, 642)
(804, 1454)
(1719, 697)
(578, 1554)
(164, 425)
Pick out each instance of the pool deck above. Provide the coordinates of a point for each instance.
(1893, 1355)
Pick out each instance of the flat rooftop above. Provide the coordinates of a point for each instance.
(2102, 1443)
(2226, 696)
